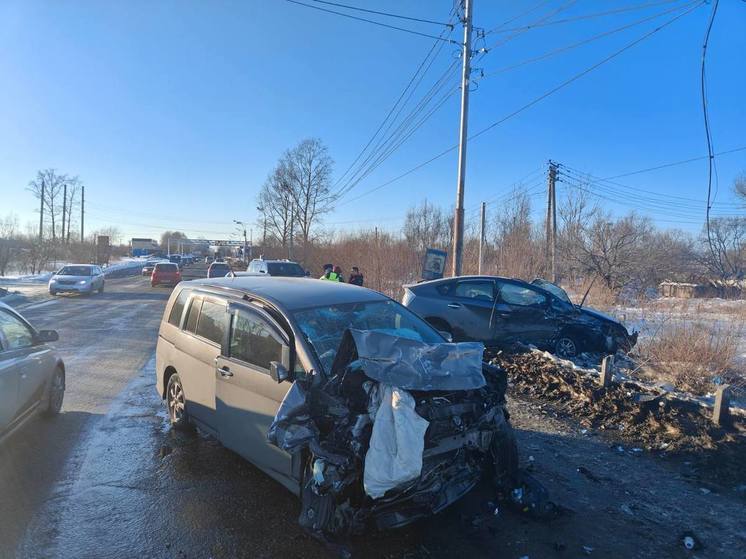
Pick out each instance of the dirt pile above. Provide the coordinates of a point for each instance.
(646, 419)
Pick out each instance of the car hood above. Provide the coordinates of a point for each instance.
(598, 315)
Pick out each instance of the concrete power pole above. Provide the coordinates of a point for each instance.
(41, 211)
(292, 227)
(64, 210)
(458, 221)
(551, 222)
(481, 238)
(82, 214)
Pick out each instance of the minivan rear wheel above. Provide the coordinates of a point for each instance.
(176, 403)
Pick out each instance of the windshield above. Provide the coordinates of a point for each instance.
(289, 269)
(75, 271)
(555, 290)
(324, 326)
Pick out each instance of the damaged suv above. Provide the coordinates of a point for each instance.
(341, 394)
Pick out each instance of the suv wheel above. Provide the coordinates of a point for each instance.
(566, 347)
(176, 403)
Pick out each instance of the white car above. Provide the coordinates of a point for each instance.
(77, 278)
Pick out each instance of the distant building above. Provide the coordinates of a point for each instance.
(724, 289)
(142, 247)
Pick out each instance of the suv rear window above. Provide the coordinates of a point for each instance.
(287, 269)
(166, 268)
(175, 316)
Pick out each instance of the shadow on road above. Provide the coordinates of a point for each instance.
(31, 461)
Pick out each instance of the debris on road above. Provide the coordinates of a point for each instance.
(647, 419)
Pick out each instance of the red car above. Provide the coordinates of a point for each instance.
(165, 273)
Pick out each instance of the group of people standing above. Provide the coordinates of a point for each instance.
(334, 273)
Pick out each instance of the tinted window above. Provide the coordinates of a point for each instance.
(288, 269)
(190, 324)
(178, 308)
(252, 341)
(519, 295)
(16, 333)
(166, 268)
(444, 288)
(212, 321)
(478, 289)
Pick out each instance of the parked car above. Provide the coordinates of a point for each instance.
(175, 259)
(32, 375)
(218, 270)
(226, 348)
(285, 268)
(77, 278)
(502, 311)
(165, 273)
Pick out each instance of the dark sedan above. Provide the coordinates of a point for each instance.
(503, 311)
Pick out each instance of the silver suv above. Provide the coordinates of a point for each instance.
(284, 268)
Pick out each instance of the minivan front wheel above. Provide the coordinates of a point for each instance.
(56, 393)
(176, 403)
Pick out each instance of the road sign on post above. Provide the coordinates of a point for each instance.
(434, 264)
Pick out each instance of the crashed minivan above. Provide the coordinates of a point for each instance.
(341, 394)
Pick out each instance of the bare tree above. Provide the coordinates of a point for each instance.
(308, 169)
(51, 184)
(172, 237)
(8, 241)
(725, 255)
(426, 226)
(517, 245)
(275, 204)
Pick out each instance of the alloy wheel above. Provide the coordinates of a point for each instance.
(175, 401)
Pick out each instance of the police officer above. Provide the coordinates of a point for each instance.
(329, 273)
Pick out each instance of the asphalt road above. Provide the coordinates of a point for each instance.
(109, 479)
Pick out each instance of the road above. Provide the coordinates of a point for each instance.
(109, 479)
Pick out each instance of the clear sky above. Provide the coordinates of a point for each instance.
(174, 112)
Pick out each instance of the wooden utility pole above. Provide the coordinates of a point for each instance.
(551, 223)
(458, 220)
(481, 238)
(41, 211)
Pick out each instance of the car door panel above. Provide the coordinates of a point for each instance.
(469, 308)
(9, 378)
(247, 398)
(527, 319)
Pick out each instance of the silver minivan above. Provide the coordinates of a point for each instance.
(254, 359)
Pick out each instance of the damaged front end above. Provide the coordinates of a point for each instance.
(397, 431)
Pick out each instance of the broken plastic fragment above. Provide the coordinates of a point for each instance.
(293, 428)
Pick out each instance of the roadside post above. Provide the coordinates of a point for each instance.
(607, 366)
(721, 411)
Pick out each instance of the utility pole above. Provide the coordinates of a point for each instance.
(551, 222)
(292, 223)
(169, 246)
(242, 225)
(458, 221)
(64, 209)
(41, 211)
(82, 213)
(481, 238)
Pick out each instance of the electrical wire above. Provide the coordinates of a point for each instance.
(529, 104)
(380, 24)
(399, 16)
(708, 132)
(586, 41)
(584, 17)
(675, 163)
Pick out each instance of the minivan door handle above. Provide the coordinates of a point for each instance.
(454, 305)
(225, 371)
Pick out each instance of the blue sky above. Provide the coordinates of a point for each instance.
(173, 112)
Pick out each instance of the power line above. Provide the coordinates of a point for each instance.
(675, 163)
(708, 132)
(584, 17)
(533, 102)
(399, 16)
(380, 24)
(585, 41)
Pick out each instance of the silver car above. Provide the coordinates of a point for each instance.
(32, 375)
(77, 278)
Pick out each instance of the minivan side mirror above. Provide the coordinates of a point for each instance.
(47, 336)
(278, 372)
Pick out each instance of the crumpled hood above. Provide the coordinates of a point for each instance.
(598, 315)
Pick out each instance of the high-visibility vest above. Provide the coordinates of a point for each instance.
(331, 277)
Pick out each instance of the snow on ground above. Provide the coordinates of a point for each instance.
(125, 264)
